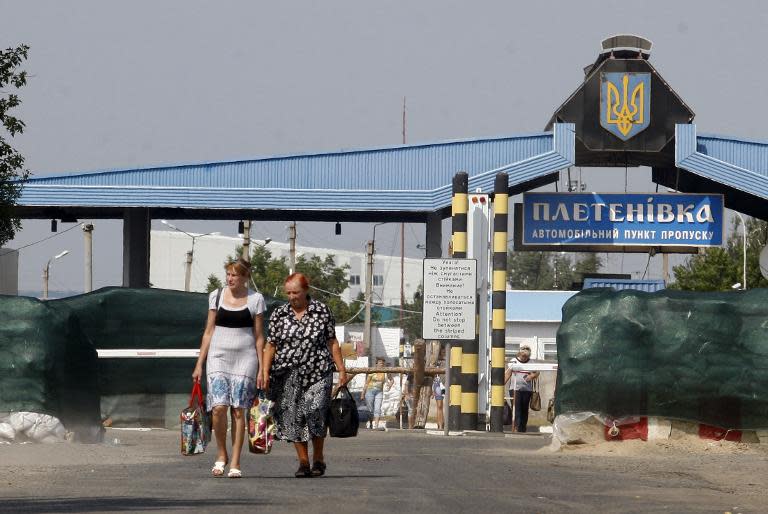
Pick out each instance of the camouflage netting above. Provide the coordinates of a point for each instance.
(701, 357)
(43, 344)
(122, 318)
(48, 365)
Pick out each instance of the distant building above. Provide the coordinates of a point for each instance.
(168, 251)
(9, 271)
(533, 318)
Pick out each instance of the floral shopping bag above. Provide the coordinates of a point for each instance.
(195, 424)
(261, 425)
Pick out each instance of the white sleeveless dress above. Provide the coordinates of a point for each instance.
(232, 363)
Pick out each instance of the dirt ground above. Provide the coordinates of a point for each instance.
(408, 471)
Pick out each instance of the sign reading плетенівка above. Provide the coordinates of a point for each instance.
(675, 219)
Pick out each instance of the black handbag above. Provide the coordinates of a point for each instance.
(507, 413)
(343, 419)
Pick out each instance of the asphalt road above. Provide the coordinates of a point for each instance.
(397, 472)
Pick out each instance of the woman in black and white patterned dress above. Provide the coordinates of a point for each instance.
(232, 347)
(299, 361)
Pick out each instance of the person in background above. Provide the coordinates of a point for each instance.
(299, 361)
(231, 348)
(438, 392)
(373, 392)
(521, 386)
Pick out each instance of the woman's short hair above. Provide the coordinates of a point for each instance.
(239, 267)
(301, 278)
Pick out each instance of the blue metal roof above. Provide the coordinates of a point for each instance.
(530, 306)
(406, 177)
(649, 286)
(738, 163)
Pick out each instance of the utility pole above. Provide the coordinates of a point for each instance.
(292, 243)
(402, 272)
(402, 264)
(45, 280)
(88, 242)
(188, 271)
(246, 255)
(367, 339)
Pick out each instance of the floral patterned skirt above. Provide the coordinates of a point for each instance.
(300, 413)
(236, 391)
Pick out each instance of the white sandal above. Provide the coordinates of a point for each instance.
(218, 468)
(234, 473)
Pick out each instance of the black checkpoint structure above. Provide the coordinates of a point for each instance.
(623, 114)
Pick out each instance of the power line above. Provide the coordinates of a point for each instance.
(46, 238)
(364, 302)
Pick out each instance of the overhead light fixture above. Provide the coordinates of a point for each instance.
(240, 228)
(338, 228)
(54, 225)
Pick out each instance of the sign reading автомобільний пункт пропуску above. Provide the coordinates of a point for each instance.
(623, 219)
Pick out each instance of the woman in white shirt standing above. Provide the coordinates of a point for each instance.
(232, 349)
(521, 387)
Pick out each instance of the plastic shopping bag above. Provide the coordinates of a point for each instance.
(261, 425)
(195, 424)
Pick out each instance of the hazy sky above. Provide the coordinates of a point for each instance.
(139, 83)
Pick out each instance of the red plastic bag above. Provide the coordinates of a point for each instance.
(195, 424)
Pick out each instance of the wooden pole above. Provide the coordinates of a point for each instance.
(419, 365)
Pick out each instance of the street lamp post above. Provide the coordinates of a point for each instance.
(744, 246)
(367, 339)
(46, 272)
(190, 253)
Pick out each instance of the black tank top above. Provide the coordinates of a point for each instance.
(233, 319)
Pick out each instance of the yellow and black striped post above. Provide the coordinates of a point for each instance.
(469, 378)
(459, 208)
(499, 299)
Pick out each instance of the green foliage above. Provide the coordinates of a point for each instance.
(327, 281)
(548, 270)
(213, 283)
(12, 172)
(412, 321)
(717, 269)
(529, 270)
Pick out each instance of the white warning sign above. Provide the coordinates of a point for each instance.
(449, 298)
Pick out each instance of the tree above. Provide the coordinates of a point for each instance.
(586, 263)
(412, 317)
(12, 172)
(529, 270)
(548, 270)
(717, 269)
(213, 283)
(327, 281)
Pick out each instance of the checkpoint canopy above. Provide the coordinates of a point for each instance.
(623, 114)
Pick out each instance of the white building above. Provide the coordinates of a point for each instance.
(169, 250)
(533, 318)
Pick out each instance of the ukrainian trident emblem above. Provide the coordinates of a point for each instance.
(625, 103)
